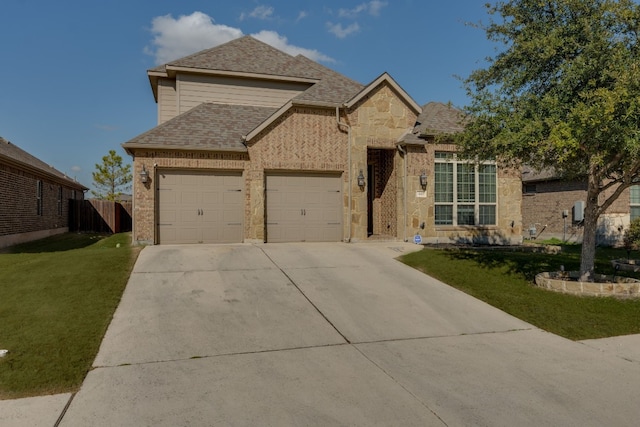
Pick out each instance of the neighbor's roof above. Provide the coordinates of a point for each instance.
(531, 175)
(11, 153)
(435, 119)
(208, 126)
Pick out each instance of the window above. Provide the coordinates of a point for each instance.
(60, 201)
(635, 202)
(529, 189)
(39, 197)
(465, 193)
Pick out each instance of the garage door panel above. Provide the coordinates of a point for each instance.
(200, 207)
(303, 207)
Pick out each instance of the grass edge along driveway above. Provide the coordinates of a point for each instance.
(504, 279)
(57, 298)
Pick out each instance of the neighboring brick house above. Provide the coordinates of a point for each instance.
(34, 197)
(553, 207)
(255, 145)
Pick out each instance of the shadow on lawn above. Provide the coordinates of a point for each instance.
(57, 243)
(527, 264)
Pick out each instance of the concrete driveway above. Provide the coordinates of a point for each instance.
(333, 334)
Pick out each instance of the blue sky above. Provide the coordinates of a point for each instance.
(73, 81)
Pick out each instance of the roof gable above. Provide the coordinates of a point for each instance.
(384, 78)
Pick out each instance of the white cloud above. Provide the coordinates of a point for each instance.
(76, 169)
(341, 32)
(175, 38)
(301, 15)
(260, 12)
(282, 43)
(373, 8)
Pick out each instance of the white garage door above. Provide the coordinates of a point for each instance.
(304, 208)
(200, 207)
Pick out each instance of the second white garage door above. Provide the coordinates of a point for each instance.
(200, 207)
(304, 208)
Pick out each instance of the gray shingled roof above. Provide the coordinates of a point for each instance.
(333, 87)
(248, 55)
(12, 152)
(436, 119)
(244, 55)
(530, 175)
(208, 126)
(220, 127)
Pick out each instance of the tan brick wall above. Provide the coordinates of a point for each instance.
(303, 139)
(144, 195)
(508, 228)
(309, 140)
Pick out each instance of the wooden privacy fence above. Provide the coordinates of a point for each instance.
(99, 216)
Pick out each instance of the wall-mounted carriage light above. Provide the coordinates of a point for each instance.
(144, 175)
(361, 181)
(423, 180)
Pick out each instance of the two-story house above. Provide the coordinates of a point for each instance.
(255, 145)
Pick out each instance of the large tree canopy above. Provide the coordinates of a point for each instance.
(562, 92)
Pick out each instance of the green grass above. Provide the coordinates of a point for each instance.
(57, 297)
(503, 278)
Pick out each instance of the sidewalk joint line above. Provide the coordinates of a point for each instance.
(306, 297)
(64, 410)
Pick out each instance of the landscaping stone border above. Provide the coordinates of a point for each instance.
(604, 285)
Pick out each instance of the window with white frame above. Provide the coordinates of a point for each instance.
(634, 201)
(465, 193)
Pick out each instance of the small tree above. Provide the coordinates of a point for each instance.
(564, 93)
(111, 177)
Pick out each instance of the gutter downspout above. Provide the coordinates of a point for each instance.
(404, 192)
(348, 239)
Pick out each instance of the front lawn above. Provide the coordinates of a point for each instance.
(503, 278)
(57, 297)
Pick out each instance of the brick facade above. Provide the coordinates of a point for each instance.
(306, 139)
(543, 203)
(19, 206)
(330, 125)
(420, 204)
(144, 195)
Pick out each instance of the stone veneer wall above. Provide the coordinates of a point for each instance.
(378, 121)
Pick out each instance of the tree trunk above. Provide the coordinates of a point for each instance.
(591, 214)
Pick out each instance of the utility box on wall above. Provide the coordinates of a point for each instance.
(578, 211)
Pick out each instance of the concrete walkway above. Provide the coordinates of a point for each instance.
(330, 334)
